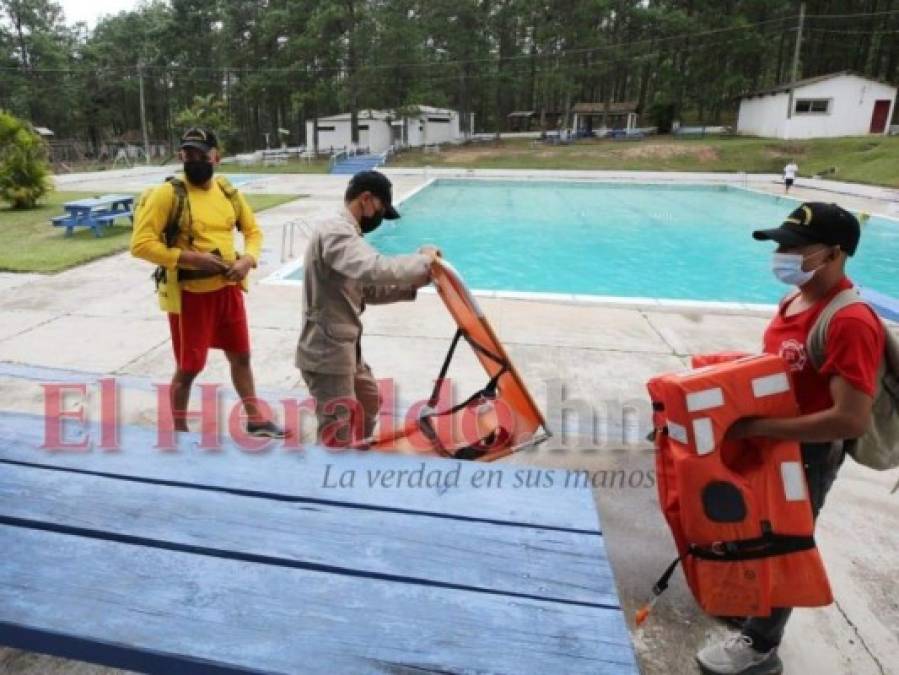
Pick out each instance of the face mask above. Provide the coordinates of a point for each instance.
(198, 172)
(787, 267)
(371, 223)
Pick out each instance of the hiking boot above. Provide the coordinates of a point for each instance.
(735, 656)
(267, 429)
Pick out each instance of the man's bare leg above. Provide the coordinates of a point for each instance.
(180, 397)
(242, 378)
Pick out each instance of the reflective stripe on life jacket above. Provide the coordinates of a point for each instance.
(739, 510)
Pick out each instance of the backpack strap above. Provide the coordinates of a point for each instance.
(176, 215)
(816, 343)
(232, 194)
(788, 298)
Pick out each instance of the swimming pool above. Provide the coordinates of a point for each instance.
(683, 242)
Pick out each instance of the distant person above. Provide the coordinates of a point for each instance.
(790, 171)
(342, 273)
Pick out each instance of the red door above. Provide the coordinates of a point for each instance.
(879, 118)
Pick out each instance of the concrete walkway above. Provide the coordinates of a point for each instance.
(101, 319)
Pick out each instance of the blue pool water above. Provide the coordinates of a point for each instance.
(631, 240)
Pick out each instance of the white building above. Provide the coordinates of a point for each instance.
(378, 130)
(839, 104)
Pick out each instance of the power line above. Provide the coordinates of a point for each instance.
(843, 31)
(852, 16)
(214, 75)
(450, 62)
(286, 70)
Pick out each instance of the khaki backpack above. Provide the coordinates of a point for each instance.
(877, 448)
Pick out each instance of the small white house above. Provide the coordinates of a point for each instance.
(378, 130)
(839, 104)
(335, 131)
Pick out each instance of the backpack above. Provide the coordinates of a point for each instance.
(877, 448)
(179, 217)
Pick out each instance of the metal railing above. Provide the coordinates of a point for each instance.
(335, 157)
(288, 236)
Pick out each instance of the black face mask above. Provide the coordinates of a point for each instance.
(198, 172)
(371, 223)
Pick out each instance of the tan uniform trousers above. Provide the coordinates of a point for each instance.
(346, 406)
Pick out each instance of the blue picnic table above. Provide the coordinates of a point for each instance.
(95, 212)
(288, 562)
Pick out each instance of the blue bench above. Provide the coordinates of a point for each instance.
(196, 561)
(96, 213)
(108, 219)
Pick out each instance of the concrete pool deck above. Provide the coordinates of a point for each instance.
(101, 319)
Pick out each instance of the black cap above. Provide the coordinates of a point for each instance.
(379, 185)
(199, 138)
(816, 223)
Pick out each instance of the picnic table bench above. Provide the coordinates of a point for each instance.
(230, 562)
(95, 212)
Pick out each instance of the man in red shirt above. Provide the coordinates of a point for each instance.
(835, 401)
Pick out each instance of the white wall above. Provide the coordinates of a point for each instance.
(763, 115)
(440, 132)
(851, 107)
(415, 128)
(376, 138)
(339, 138)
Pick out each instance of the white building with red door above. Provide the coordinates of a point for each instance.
(839, 104)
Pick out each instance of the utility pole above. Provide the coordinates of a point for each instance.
(143, 112)
(794, 74)
(798, 45)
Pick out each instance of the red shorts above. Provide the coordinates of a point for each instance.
(214, 320)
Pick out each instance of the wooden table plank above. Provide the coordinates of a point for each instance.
(312, 474)
(499, 558)
(144, 608)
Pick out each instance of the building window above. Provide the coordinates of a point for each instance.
(363, 127)
(819, 106)
(439, 120)
(321, 128)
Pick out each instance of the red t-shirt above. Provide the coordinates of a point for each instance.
(854, 348)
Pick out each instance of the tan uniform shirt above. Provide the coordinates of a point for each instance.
(341, 273)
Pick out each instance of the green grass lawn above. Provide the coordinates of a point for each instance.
(29, 243)
(867, 159)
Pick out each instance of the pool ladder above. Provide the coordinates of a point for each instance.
(288, 236)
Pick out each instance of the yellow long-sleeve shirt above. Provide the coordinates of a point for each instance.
(213, 224)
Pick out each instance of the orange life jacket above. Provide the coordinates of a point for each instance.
(493, 422)
(739, 510)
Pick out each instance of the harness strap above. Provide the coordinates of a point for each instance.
(766, 546)
(661, 585)
(488, 392)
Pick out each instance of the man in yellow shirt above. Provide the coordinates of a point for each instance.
(203, 273)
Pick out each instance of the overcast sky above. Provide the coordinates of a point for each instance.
(91, 10)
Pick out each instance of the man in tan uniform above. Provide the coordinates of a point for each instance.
(341, 274)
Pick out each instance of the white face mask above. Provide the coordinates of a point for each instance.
(787, 267)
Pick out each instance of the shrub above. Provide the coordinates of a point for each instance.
(24, 172)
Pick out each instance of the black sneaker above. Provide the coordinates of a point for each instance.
(267, 429)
